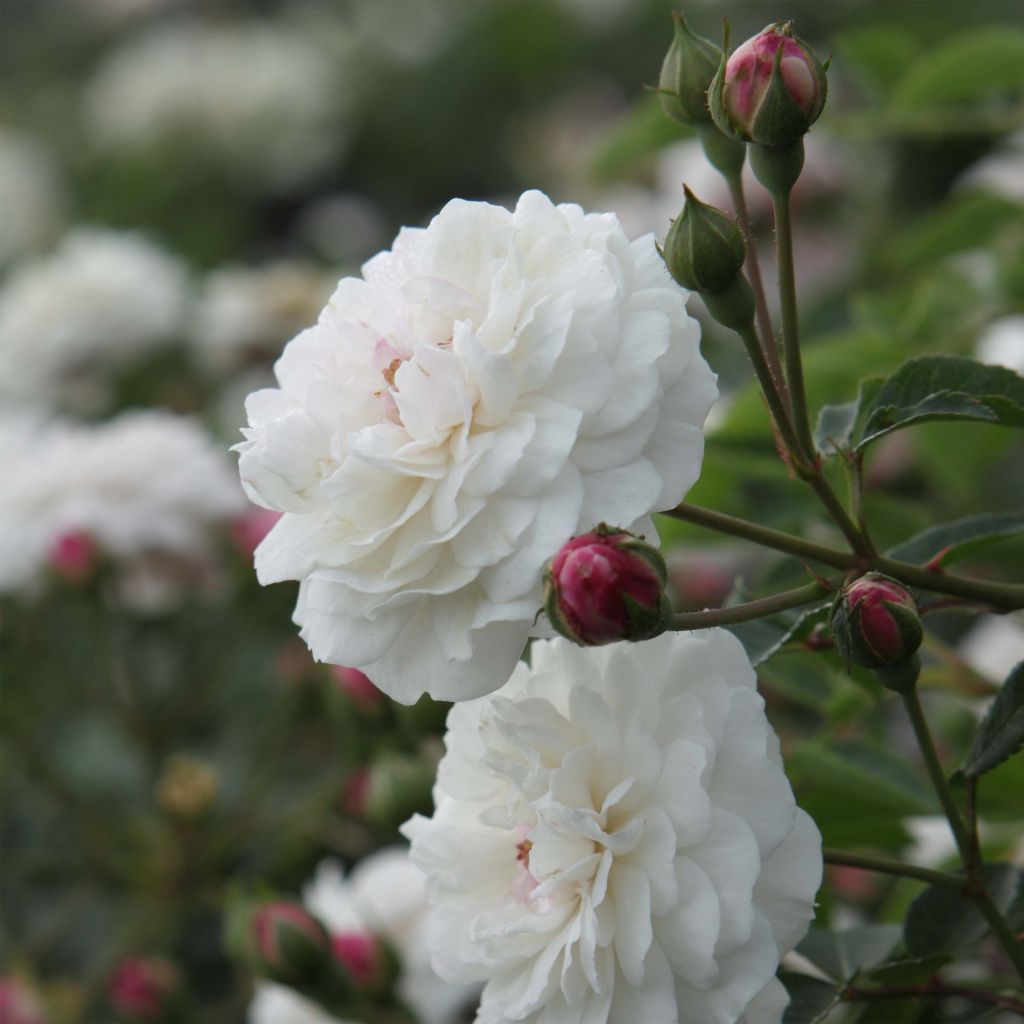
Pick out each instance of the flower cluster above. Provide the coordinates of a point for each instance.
(250, 311)
(100, 300)
(493, 385)
(142, 483)
(259, 100)
(615, 840)
(383, 898)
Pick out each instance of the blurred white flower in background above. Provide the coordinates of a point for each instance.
(493, 385)
(615, 839)
(100, 300)
(384, 896)
(1001, 172)
(1002, 343)
(247, 313)
(31, 196)
(259, 98)
(143, 484)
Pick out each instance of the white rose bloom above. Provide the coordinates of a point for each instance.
(260, 99)
(145, 482)
(385, 895)
(614, 839)
(495, 384)
(244, 311)
(101, 299)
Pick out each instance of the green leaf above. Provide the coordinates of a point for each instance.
(1001, 732)
(843, 955)
(810, 999)
(909, 972)
(641, 133)
(942, 920)
(971, 65)
(959, 539)
(839, 424)
(857, 792)
(881, 52)
(765, 637)
(940, 387)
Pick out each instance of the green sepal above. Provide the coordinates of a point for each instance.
(779, 119)
(553, 609)
(901, 677)
(647, 623)
(716, 91)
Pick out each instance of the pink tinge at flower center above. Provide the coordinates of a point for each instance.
(524, 883)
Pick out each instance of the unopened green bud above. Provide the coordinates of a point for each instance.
(704, 250)
(686, 73)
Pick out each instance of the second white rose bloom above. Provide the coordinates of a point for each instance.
(493, 385)
(615, 840)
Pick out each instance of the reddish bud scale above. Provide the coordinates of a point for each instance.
(606, 586)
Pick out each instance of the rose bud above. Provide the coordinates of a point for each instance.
(704, 251)
(287, 944)
(18, 1003)
(770, 90)
(875, 623)
(146, 988)
(357, 687)
(686, 73)
(397, 786)
(607, 585)
(367, 962)
(74, 555)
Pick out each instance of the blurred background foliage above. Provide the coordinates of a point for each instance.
(151, 757)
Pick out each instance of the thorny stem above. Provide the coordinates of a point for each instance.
(769, 388)
(934, 988)
(1003, 596)
(790, 321)
(756, 609)
(753, 265)
(975, 881)
(817, 482)
(887, 866)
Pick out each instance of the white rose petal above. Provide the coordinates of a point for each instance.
(495, 384)
(614, 839)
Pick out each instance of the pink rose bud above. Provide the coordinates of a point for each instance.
(74, 556)
(247, 531)
(357, 687)
(355, 792)
(145, 988)
(607, 585)
(875, 623)
(365, 960)
(770, 90)
(287, 944)
(18, 1003)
